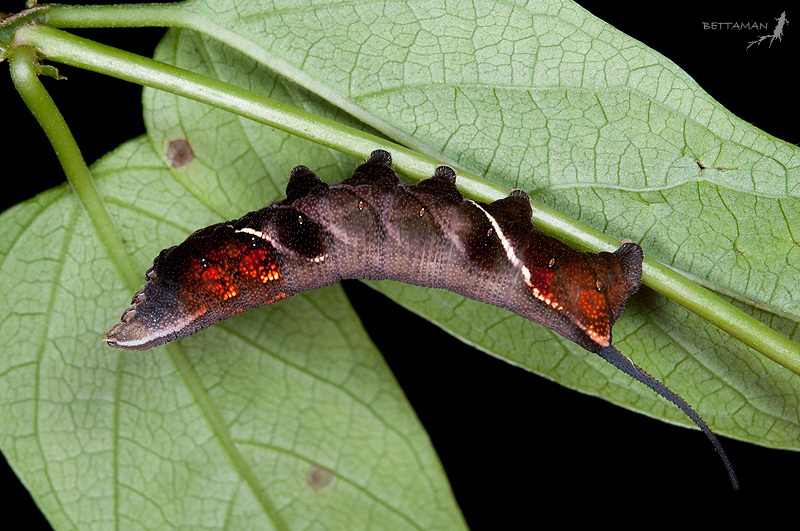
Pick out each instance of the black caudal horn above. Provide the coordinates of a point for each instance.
(623, 363)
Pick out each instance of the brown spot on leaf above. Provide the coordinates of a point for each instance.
(319, 478)
(179, 153)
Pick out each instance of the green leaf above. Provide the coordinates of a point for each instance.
(286, 415)
(549, 99)
(553, 101)
(272, 421)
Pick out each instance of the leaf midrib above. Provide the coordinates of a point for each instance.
(204, 403)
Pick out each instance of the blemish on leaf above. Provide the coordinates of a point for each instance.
(319, 477)
(179, 153)
(720, 169)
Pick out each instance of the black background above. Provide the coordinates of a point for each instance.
(516, 447)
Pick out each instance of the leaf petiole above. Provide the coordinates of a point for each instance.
(24, 73)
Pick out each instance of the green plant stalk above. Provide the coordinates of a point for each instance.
(68, 49)
(122, 16)
(23, 65)
(82, 53)
(680, 289)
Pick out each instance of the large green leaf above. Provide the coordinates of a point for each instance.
(287, 414)
(551, 100)
(547, 98)
(295, 419)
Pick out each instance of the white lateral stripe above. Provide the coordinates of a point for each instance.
(512, 256)
(258, 233)
(129, 343)
(151, 335)
(254, 232)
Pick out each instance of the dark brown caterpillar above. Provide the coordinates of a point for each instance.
(372, 226)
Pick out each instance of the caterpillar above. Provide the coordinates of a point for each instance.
(373, 226)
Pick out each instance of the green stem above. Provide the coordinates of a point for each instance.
(83, 53)
(680, 289)
(175, 15)
(23, 66)
(68, 49)
(722, 314)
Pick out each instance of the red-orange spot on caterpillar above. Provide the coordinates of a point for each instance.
(252, 263)
(540, 279)
(595, 319)
(256, 264)
(279, 297)
(218, 283)
(211, 274)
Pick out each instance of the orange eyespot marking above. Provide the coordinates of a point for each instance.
(218, 283)
(594, 317)
(252, 263)
(211, 274)
(274, 273)
(421, 211)
(597, 337)
(540, 279)
(256, 264)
